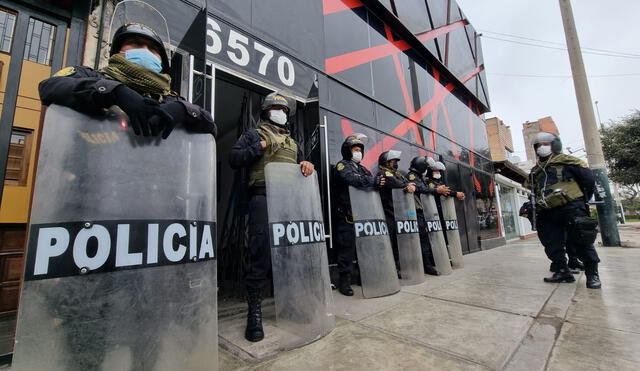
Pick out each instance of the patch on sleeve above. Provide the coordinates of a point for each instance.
(431, 185)
(412, 177)
(340, 166)
(67, 71)
(388, 173)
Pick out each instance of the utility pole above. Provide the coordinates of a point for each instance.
(592, 143)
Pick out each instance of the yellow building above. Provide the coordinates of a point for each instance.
(37, 38)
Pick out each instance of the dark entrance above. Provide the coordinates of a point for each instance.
(237, 109)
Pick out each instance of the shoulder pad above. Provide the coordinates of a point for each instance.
(568, 160)
(340, 166)
(67, 71)
(388, 173)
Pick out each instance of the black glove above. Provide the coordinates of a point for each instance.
(145, 115)
(202, 123)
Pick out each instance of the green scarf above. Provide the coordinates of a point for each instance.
(144, 81)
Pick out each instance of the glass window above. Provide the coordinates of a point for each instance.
(39, 45)
(18, 159)
(7, 25)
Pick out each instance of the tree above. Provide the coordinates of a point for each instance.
(621, 146)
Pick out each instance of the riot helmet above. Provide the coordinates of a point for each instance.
(544, 137)
(278, 99)
(387, 156)
(421, 164)
(134, 18)
(435, 171)
(354, 140)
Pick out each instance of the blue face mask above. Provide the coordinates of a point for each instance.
(143, 57)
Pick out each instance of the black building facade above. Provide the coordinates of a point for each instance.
(409, 74)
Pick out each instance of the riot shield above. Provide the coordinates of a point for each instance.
(301, 284)
(451, 229)
(373, 247)
(407, 234)
(120, 266)
(436, 237)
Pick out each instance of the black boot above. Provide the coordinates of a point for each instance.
(562, 275)
(344, 285)
(554, 268)
(431, 270)
(574, 263)
(254, 331)
(593, 278)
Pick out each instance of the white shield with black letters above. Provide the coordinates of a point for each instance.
(373, 247)
(408, 237)
(452, 231)
(301, 284)
(120, 266)
(436, 236)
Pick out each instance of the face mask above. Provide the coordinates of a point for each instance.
(143, 57)
(437, 176)
(278, 117)
(356, 156)
(544, 151)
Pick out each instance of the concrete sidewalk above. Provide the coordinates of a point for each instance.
(495, 314)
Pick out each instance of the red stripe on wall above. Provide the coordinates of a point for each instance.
(334, 6)
(354, 59)
(472, 74)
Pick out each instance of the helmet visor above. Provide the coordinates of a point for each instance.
(394, 155)
(359, 138)
(135, 11)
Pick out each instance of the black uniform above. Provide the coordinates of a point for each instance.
(347, 173)
(421, 188)
(556, 226)
(90, 92)
(393, 179)
(243, 154)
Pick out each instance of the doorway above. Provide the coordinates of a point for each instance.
(237, 109)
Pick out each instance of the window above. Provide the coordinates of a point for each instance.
(7, 25)
(19, 153)
(39, 45)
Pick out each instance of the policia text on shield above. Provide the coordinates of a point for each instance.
(122, 223)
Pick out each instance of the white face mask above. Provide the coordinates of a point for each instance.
(356, 156)
(437, 176)
(544, 151)
(278, 116)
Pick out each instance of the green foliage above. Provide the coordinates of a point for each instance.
(621, 145)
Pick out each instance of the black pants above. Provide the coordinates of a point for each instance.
(425, 244)
(257, 276)
(345, 244)
(554, 230)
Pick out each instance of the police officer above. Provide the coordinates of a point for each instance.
(348, 172)
(135, 80)
(562, 185)
(388, 169)
(269, 142)
(417, 170)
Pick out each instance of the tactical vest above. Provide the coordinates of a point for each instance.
(558, 191)
(284, 150)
